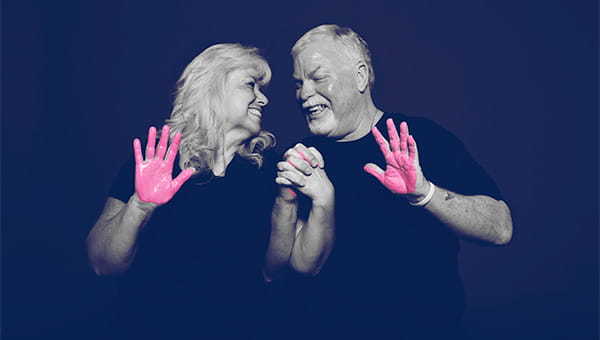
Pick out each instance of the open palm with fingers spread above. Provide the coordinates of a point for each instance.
(153, 176)
(402, 169)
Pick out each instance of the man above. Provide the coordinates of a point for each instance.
(380, 258)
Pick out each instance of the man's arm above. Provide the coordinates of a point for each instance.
(306, 244)
(476, 217)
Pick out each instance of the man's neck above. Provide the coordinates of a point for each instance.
(369, 117)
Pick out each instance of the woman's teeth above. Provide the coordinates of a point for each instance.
(255, 112)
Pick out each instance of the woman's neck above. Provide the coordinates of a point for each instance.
(232, 142)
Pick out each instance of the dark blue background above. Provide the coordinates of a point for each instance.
(517, 81)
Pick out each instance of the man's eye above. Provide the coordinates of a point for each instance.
(320, 78)
(298, 84)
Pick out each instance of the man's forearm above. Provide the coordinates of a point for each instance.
(315, 240)
(478, 217)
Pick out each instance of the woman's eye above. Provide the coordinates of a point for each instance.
(251, 84)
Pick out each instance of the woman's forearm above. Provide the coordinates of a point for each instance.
(284, 219)
(112, 242)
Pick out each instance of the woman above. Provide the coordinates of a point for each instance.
(191, 250)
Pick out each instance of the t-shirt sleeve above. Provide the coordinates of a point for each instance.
(447, 163)
(124, 184)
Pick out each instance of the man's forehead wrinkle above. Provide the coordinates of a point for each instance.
(312, 73)
(309, 74)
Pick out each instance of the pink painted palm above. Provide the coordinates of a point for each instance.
(153, 176)
(402, 163)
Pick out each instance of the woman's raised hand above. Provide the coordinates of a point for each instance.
(153, 176)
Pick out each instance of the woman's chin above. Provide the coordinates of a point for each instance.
(245, 133)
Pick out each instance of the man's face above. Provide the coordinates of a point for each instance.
(326, 89)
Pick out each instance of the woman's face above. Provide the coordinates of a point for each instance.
(243, 101)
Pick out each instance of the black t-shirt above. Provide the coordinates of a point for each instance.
(197, 271)
(393, 268)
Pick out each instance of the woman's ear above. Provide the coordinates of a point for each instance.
(362, 76)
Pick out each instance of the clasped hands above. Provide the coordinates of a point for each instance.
(302, 170)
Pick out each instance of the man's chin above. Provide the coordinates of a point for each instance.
(321, 126)
(319, 130)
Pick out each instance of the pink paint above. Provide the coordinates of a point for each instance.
(317, 161)
(400, 175)
(153, 181)
(292, 192)
(304, 157)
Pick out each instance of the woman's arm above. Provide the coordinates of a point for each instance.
(112, 242)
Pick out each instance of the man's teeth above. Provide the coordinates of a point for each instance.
(316, 108)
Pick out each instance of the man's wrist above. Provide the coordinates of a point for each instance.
(420, 192)
(324, 201)
(425, 199)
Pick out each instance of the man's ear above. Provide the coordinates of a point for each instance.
(362, 76)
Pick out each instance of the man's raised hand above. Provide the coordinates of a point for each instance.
(402, 172)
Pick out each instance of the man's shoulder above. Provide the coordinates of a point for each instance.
(420, 127)
(416, 121)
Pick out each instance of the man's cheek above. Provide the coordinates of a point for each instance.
(330, 88)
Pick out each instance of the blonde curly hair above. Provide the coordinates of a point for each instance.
(198, 111)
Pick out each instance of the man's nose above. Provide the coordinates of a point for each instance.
(306, 90)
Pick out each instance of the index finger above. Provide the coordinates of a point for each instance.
(300, 164)
(320, 160)
(306, 154)
(383, 145)
(137, 151)
(393, 133)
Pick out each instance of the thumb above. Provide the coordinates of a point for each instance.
(374, 170)
(182, 178)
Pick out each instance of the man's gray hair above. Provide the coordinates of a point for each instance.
(355, 47)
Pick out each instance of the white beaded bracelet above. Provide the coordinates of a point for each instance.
(427, 197)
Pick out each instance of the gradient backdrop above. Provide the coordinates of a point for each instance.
(516, 81)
